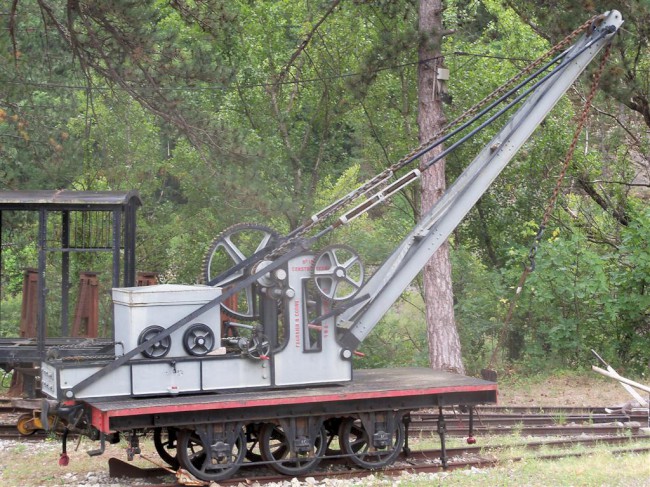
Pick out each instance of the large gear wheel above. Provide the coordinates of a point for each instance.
(338, 272)
(234, 245)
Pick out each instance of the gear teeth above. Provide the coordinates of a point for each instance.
(212, 248)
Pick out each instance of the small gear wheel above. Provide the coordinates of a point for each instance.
(198, 340)
(258, 347)
(158, 349)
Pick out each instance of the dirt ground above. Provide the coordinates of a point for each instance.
(566, 389)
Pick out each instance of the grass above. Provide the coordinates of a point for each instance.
(36, 464)
(24, 466)
(599, 467)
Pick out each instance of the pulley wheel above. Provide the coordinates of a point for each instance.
(198, 340)
(338, 272)
(158, 349)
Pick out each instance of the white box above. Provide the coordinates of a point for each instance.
(138, 308)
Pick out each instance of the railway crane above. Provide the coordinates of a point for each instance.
(273, 382)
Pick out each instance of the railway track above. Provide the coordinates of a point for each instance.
(586, 427)
(532, 419)
(17, 404)
(416, 462)
(576, 426)
(493, 420)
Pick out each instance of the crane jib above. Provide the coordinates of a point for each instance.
(389, 281)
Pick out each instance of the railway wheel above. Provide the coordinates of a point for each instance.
(275, 448)
(207, 456)
(253, 449)
(164, 439)
(357, 444)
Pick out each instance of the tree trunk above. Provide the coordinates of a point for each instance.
(444, 343)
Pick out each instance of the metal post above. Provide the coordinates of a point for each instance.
(65, 270)
(471, 421)
(470, 436)
(406, 419)
(129, 245)
(132, 233)
(442, 431)
(117, 227)
(0, 247)
(42, 291)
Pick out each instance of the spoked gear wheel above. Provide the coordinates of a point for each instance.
(338, 272)
(232, 246)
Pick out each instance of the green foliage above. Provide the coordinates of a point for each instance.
(582, 296)
(480, 299)
(220, 112)
(630, 305)
(570, 283)
(400, 339)
(10, 316)
(16, 258)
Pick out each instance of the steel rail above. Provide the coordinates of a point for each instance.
(417, 461)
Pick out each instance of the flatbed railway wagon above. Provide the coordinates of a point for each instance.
(292, 430)
(273, 381)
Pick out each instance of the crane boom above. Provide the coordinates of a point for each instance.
(399, 270)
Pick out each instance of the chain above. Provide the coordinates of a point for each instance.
(568, 157)
(81, 358)
(552, 201)
(386, 173)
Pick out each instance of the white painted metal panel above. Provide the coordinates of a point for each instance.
(137, 308)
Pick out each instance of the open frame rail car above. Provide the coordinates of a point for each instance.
(69, 225)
